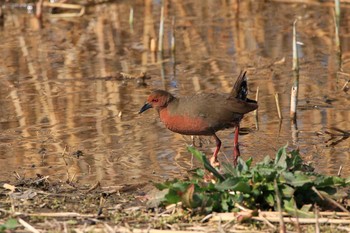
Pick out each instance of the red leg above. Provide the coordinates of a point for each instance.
(214, 159)
(236, 152)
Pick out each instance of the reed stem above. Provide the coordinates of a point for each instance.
(336, 26)
(161, 30)
(131, 19)
(278, 106)
(295, 87)
(173, 35)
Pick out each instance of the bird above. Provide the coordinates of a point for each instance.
(205, 113)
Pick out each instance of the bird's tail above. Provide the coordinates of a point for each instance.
(240, 88)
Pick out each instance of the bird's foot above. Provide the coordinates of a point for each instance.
(214, 162)
(235, 162)
(209, 177)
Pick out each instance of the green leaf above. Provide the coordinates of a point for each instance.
(306, 208)
(295, 160)
(201, 157)
(162, 186)
(347, 180)
(249, 162)
(254, 186)
(333, 193)
(198, 155)
(281, 157)
(224, 205)
(234, 184)
(270, 199)
(180, 186)
(270, 186)
(200, 173)
(266, 161)
(243, 187)
(228, 183)
(297, 179)
(241, 165)
(267, 173)
(256, 190)
(228, 168)
(290, 207)
(287, 191)
(9, 224)
(257, 177)
(173, 197)
(324, 181)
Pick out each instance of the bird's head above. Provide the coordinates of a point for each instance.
(158, 99)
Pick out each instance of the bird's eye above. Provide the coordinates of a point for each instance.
(155, 100)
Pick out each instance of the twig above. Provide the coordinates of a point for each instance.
(28, 226)
(65, 6)
(306, 220)
(108, 228)
(93, 187)
(279, 207)
(317, 224)
(65, 229)
(347, 229)
(18, 177)
(256, 110)
(62, 155)
(135, 230)
(242, 207)
(345, 87)
(297, 217)
(278, 106)
(343, 73)
(276, 218)
(275, 215)
(339, 171)
(265, 220)
(207, 217)
(219, 227)
(58, 215)
(317, 192)
(72, 179)
(41, 179)
(330, 200)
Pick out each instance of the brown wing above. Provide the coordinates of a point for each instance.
(217, 110)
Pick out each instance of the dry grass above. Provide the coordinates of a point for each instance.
(42, 205)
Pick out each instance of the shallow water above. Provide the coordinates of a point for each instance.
(60, 96)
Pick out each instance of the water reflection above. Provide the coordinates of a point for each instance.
(58, 94)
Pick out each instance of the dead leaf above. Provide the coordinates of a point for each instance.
(9, 187)
(28, 194)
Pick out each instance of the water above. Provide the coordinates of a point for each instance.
(60, 97)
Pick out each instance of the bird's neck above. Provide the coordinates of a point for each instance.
(168, 108)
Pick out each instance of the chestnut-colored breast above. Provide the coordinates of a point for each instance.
(204, 114)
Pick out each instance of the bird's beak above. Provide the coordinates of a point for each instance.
(145, 107)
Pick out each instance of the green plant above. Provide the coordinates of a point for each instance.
(254, 187)
(10, 224)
